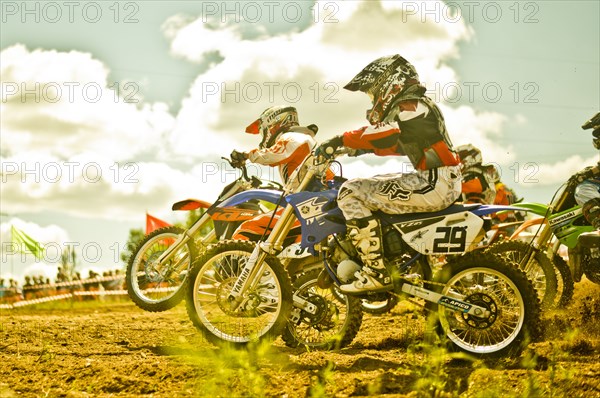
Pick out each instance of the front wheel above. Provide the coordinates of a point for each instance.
(566, 285)
(334, 322)
(264, 309)
(154, 286)
(538, 268)
(512, 307)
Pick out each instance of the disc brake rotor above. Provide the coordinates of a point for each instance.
(249, 307)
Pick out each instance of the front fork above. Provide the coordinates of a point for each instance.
(250, 274)
(185, 237)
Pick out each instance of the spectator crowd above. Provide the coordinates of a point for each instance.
(36, 287)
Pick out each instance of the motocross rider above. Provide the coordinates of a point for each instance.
(403, 121)
(587, 192)
(284, 144)
(477, 184)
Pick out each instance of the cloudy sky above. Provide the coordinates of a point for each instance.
(112, 109)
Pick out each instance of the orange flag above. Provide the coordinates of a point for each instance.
(153, 223)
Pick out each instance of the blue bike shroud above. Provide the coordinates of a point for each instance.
(268, 195)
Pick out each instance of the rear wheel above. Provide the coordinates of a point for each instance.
(155, 286)
(511, 307)
(265, 306)
(334, 323)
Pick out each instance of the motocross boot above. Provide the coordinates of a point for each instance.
(591, 212)
(365, 234)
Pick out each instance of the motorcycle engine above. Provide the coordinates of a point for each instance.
(343, 253)
(393, 245)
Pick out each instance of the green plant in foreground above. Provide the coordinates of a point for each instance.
(324, 377)
(433, 379)
(231, 372)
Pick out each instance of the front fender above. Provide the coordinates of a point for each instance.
(526, 224)
(267, 195)
(536, 208)
(485, 210)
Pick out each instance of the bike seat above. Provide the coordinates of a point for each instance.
(452, 209)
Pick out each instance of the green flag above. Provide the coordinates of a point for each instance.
(22, 239)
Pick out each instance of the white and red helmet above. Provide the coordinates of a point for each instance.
(272, 122)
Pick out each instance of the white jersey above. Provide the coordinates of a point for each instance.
(287, 153)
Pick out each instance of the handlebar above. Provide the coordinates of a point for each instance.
(254, 181)
(241, 166)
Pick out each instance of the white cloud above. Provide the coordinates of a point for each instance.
(552, 174)
(59, 103)
(467, 126)
(316, 62)
(89, 185)
(168, 155)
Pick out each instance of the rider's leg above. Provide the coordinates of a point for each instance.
(365, 234)
(420, 191)
(591, 212)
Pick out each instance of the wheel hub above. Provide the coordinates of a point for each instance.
(249, 306)
(322, 316)
(152, 274)
(222, 294)
(485, 301)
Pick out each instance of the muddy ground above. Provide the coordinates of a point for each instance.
(117, 350)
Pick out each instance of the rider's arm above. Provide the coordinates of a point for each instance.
(282, 152)
(382, 140)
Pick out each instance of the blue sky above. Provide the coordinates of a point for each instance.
(112, 109)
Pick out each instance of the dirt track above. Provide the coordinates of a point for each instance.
(119, 350)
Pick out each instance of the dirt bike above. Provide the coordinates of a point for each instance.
(157, 268)
(483, 304)
(561, 223)
(320, 317)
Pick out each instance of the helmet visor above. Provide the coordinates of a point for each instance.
(254, 128)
